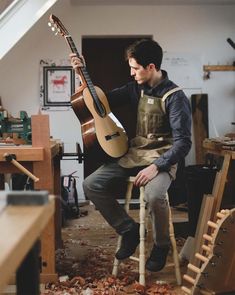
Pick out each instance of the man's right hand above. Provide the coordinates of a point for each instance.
(76, 62)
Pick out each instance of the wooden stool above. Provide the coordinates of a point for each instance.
(142, 221)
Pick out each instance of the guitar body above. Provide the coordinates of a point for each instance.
(110, 137)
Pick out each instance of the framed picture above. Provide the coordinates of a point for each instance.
(58, 85)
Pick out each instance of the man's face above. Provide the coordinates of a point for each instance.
(138, 72)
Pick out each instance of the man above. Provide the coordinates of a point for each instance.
(163, 138)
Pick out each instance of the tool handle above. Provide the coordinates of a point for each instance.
(20, 167)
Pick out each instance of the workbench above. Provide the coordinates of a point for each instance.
(224, 176)
(42, 158)
(21, 224)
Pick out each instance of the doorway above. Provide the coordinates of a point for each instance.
(108, 69)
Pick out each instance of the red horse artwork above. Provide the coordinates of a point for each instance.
(59, 82)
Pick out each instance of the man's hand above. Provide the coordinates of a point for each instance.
(76, 62)
(145, 175)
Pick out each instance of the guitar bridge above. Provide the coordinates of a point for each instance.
(109, 137)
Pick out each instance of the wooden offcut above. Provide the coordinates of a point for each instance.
(200, 124)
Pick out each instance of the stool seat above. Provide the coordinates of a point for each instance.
(142, 221)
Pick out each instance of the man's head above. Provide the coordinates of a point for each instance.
(145, 58)
(145, 52)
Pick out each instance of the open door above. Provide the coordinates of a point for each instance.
(108, 69)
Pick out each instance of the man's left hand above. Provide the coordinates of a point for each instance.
(145, 175)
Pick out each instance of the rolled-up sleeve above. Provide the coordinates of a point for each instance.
(178, 110)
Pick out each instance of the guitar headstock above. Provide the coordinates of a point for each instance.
(57, 26)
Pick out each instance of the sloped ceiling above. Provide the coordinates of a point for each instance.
(153, 2)
(14, 16)
(4, 4)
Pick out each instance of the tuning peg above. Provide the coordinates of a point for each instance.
(49, 24)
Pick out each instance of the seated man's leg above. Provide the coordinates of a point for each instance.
(99, 187)
(155, 194)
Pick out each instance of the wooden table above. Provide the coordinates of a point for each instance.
(20, 228)
(42, 159)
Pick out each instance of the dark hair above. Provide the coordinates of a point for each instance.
(145, 51)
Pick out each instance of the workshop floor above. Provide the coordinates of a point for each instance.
(84, 264)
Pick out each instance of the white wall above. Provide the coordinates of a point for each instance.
(198, 30)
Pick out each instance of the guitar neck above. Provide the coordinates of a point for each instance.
(87, 78)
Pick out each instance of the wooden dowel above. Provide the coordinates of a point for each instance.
(207, 237)
(194, 268)
(206, 248)
(201, 257)
(212, 224)
(225, 211)
(22, 168)
(205, 292)
(134, 258)
(189, 279)
(186, 290)
(220, 215)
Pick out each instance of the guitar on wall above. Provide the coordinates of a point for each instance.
(98, 124)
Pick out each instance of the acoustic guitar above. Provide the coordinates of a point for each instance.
(99, 126)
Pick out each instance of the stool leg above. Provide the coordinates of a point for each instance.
(116, 261)
(126, 206)
(174, 248)
(142, 238)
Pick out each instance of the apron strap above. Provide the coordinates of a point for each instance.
(167, 94)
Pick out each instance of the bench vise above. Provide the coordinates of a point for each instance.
(21, 127)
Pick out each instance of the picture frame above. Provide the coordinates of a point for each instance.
(58, 85)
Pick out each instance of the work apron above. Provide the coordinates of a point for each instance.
(153, 133)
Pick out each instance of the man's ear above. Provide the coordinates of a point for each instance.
(152, 66)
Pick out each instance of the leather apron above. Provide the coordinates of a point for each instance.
(153, 133)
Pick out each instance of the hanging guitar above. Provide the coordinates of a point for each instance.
(98, 125)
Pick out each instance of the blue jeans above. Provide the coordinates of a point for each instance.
(104, 186)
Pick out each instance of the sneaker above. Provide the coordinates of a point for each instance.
(130, 241)
(157, 259)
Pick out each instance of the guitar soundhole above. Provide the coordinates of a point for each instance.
(112, 136)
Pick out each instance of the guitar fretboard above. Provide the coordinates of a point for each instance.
(100, 108)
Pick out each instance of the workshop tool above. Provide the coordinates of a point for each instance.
(20, 126)
(12, 158)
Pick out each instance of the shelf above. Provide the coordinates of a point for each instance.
(221, 68)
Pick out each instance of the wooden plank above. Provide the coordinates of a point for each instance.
(20, 226)
(200, 124)
(224, 68)
(23, 153)
(45, 169)
(219, 194)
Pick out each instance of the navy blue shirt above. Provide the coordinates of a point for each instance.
(178, 111)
